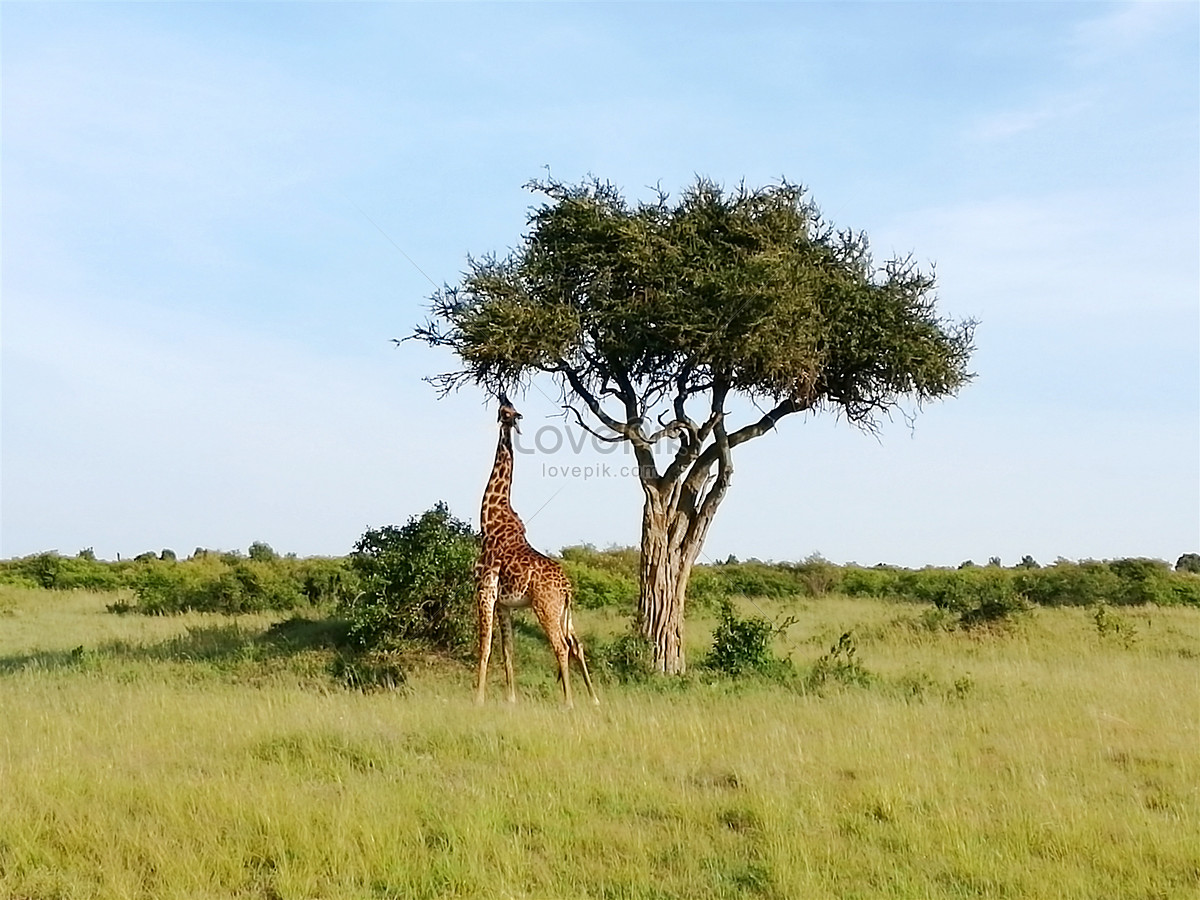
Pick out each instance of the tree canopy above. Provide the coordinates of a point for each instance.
(745, 290)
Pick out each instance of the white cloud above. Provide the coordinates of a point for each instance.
(1058, 256)
(1009, 123)
(1127, 29)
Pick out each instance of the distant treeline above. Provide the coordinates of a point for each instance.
(207, 581)
(261, 579)
(608, 577)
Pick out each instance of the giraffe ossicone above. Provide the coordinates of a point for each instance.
(510, 575)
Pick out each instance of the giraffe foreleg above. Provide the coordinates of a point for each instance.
(487, 589)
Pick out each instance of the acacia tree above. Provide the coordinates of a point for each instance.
(652, 317)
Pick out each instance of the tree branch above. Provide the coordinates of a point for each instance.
(582, 424)
(629, 431)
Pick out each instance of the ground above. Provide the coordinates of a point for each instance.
(206, 757)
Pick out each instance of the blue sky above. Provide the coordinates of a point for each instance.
(215, 216)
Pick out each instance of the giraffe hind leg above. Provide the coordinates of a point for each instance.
(576, 649)
(552, 625)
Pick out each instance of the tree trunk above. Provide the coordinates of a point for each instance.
(671, 539)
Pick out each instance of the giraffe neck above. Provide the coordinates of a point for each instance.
(497, 504)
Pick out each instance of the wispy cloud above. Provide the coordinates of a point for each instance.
(1129, 28)
(1008, 123)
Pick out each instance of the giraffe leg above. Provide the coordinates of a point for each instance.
(506, 645)
(487, 617)
(577, 651)
(564, 673)
(551, 622)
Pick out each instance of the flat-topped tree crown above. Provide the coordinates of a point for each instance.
(644, 312)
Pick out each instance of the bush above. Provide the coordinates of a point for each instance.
(743, 646)
(881, 581)
(839, 665)
(627, 659)
(262, 552)
(54, 572)
(1142, 581)
(818, 575)
(596, 587)
(213, 584)
(414, 583)
(1109, 624)
(982, 597)
(1189, 562)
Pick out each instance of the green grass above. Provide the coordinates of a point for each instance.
(200, 756)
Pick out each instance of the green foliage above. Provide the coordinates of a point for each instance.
(742, 646)
(603, 578)
(626, 659)
(710, 585)
(840, 665)
(623, 561)
(215, 584)
(818, 575)
(880, 581)
(1119, 582)
(262, 552)
(1143, 581)
(49, 570)
(1112, 625)
(1189, 562)
(987, 598)
(414, 583)
(750, 285)
(262, 579)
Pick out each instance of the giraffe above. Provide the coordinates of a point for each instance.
(510, 574)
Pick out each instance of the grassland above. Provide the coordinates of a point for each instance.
(203, 757)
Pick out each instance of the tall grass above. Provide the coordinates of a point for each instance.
(198, 757)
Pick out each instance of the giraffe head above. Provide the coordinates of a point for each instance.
(508, 416)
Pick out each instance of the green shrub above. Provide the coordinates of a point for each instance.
(706, 588)
(212, 583)
(1189, 562)
(880, 581)
(596, 588)
(54, 572)
(415, 583)
(627, 659)
(262, 552)
(818, 575)
(974, 597)
(1070, 584)
(1143, 581)
(1112, 625)
(743, 646)
(840, 665)
(623, 561)
(325, 581)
